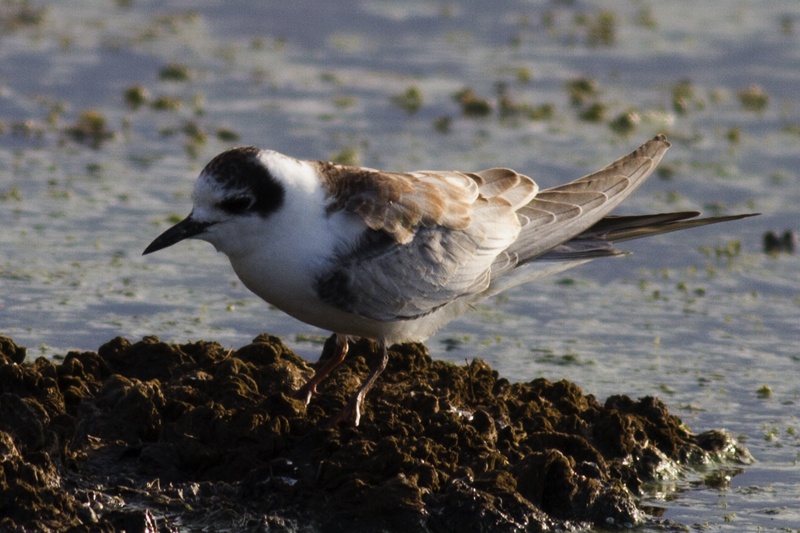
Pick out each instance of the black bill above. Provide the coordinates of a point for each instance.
(185, 229)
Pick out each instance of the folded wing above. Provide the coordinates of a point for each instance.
(432, 238)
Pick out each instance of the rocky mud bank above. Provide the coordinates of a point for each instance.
(150, 436)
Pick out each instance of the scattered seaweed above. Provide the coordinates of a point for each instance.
(410, 101)
(90, 129)
(754, 99)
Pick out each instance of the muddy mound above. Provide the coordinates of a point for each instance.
(158, 437)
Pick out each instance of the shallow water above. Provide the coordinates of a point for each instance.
(688, 317)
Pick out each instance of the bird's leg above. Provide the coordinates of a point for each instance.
(310, 388)
(352, 411)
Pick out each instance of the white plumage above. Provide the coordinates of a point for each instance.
(395, 256)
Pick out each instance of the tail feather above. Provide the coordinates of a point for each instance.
(597, 240)
(570, 224)
(640, 226)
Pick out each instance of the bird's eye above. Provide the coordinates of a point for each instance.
(235, 205)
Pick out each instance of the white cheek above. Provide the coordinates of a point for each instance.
(214, 234)
(230, 236)
(203, 213)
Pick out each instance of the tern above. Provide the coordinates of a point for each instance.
(394, 256)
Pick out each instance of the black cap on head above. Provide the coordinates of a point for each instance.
(241, 170)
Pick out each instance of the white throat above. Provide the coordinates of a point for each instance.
(279, 256)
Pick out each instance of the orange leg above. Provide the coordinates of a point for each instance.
(310, 388)
(352, 411)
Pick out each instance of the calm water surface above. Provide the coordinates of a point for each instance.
(703, 319)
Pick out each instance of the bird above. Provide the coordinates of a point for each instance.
(395, 256)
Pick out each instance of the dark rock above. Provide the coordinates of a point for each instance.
(34, 382)
(774, 244)
(10, 353)
(24, 420)
(212, 437)
(145, 360)
(132, 521)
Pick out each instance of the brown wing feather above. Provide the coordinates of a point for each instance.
(441, 236)
(399, 203)
(436, 237)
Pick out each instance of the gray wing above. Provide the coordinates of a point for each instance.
(402, 270)
(421, 254)
(558, 214)
(386, 280)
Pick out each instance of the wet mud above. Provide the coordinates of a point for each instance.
(149, 436)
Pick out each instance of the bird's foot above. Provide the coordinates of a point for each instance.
(352, 411)
(306, 392)
(351, 414)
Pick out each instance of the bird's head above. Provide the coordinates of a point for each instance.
(234, 193)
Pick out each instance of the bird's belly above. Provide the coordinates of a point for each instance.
(292, 292)
(289, 286)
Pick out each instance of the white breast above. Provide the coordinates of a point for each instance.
(281, 257)
(284, 253)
